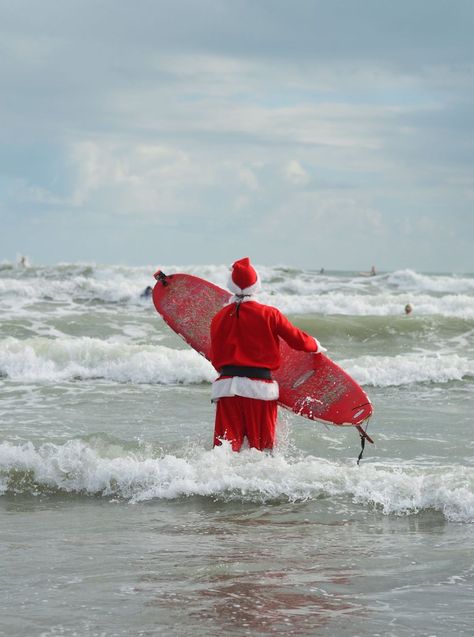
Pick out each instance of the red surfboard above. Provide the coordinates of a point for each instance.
(312, 386)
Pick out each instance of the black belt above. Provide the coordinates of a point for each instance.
(247, 372)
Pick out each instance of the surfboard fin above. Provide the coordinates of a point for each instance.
(364, 434)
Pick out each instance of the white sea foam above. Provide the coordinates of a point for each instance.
(380, 304)
(79, 467)
(63, 358)
(439, 283)
(51, 360)
(406, 369)
(293, 291)
(41, 359)
(116, 289)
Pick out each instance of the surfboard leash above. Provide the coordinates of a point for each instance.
(363, 437)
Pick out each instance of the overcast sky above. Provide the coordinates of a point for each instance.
(335, 133)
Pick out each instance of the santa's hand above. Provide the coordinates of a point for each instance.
(319, 347)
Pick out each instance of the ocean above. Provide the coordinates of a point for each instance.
(118, 518)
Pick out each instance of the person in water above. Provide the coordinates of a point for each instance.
(408, 308)
(245, 351)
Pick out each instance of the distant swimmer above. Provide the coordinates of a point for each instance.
(408, 309)
(22, 262)
(372, 272)
(147, 292)
(321, 271)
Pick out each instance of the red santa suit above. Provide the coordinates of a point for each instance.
(245, 350)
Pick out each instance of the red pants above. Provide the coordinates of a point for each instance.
(237, 417)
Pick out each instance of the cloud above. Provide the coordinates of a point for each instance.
(248, 178)
(141, 177)
(295, 173)
(340, 115)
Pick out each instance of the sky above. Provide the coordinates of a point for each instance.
(307, 133)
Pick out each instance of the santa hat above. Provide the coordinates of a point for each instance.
(243, 278)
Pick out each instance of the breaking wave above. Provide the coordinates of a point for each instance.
(110, 470)
(41, 359)
(293, 291)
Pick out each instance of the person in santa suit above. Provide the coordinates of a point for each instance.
(245, 351)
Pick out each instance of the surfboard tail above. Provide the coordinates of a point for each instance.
(361, 413)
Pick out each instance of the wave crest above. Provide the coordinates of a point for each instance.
(51, 360)
(109, 470)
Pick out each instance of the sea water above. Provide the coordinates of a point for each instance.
(118, 518)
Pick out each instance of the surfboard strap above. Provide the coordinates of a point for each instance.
(237, 309)
(240, 298)
(363, 437)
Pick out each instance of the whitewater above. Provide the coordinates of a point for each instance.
(119, 518)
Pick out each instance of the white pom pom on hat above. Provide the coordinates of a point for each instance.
(243, 278)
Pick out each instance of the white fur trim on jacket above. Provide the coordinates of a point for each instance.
(246, 387)
(251, 289)
(234, 298)
(319, 347)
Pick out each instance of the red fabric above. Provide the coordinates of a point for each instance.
(250, 337)
(243, 274)
(237, 417)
